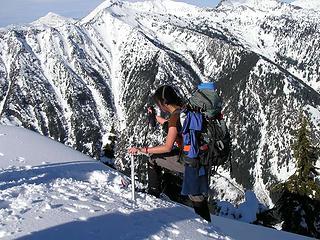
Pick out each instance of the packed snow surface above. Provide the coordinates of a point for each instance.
(49, 191)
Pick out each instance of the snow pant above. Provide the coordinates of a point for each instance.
(171, 161)
(167, 161)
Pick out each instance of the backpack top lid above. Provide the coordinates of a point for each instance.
(207, 86)
(207, 99)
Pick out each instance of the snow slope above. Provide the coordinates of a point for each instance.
(49, 191)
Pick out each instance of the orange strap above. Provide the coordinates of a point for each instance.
(186, 148)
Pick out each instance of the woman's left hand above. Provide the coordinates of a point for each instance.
(133, 150)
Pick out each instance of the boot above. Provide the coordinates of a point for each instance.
(202, 209)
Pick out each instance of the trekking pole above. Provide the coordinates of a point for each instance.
(148, 126)
(146, 134)
(132, 179)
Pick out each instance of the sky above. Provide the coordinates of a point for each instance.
(26, 11)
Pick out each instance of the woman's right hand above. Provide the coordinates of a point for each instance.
(150, 110)
(152, 116)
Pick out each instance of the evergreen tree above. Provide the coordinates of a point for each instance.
(303, 182)
(109, 148)
(305, 153)
(298, 205)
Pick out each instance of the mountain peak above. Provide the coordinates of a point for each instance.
(257, 4)
(107, 4)
(53, 20)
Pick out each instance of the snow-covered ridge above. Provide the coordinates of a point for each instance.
(165, 7)
(256, 4)
(307, 4)
(125, 10)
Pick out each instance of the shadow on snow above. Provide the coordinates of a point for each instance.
(137, 225)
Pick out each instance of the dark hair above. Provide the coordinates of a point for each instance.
(167, 95)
